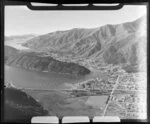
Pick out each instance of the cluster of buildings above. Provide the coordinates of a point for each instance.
(133, 81)
(131, 103)
(95, 84)
(127, 82)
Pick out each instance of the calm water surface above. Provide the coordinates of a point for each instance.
(40, 80)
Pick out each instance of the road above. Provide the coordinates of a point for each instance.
(106, 91)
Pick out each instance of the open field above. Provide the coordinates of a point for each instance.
(62, 104)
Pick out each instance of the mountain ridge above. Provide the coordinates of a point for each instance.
(77, 43)
(19, 106)
(117, 44)
(40, 62)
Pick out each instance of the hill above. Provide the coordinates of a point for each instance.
(121, 44)
(111, 44)
(41, 62)
(20, 107)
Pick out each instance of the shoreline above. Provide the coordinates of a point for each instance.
(46, 71)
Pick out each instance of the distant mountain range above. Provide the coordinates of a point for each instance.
(21, 37)
(110, 44)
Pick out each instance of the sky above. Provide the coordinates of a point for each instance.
(20, 20)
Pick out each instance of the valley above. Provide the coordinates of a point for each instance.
(73, 72)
